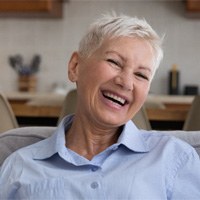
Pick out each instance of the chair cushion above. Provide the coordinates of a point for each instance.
(16, 138)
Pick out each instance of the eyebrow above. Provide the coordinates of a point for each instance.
(145, 68)
(115, 52)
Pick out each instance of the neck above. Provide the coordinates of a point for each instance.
(88, 140)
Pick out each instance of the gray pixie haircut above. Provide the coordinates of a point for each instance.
(112, 26)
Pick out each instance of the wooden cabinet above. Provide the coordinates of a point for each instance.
(193, 8)
(31, 8)
(193, 5)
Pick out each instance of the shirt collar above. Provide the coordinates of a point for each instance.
(130, 137)
(55, 143)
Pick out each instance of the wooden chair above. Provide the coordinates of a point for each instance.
(7, 117)
(140, 119)
(192, 122)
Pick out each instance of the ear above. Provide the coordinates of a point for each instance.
(73, 67)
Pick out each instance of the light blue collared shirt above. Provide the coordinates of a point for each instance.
(142, 165)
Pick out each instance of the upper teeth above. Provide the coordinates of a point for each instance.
(117, 98)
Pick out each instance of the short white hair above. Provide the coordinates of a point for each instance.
(111, 26)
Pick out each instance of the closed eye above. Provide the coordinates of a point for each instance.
(113, 62)
(140, 75)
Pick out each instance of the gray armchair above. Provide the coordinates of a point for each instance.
(20, 137)
(17, 138)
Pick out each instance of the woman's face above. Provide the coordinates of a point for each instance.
(112, 84)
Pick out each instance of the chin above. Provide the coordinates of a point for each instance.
(112, 121)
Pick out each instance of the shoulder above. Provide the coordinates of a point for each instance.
(20, 161)
(23, 153)
(168, 142)
(174, 153)
(161, 141)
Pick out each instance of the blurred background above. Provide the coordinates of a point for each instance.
(55, 38)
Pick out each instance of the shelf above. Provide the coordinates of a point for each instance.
(31, 8)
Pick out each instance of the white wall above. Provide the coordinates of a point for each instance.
(55, 40)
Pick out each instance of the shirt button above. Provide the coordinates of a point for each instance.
(94, 169)
(94, 185)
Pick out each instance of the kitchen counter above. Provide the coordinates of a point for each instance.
(158, 107)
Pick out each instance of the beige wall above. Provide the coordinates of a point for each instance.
(55, 40)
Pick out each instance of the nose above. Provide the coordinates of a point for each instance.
(125, 81)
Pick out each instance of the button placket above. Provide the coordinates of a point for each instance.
(95, 184)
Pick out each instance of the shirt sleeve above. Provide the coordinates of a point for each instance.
(187, 179)
(9, 173)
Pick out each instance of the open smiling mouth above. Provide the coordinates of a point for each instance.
(115, 99)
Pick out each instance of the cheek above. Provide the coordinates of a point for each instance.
(90, 78)
(141, 93)
(98, 73)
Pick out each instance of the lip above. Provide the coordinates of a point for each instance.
(110, 103)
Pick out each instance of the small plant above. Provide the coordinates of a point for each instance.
(17, 64)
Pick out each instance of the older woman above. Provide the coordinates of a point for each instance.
(98, 153)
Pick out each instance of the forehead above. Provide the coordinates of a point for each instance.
(128, 47)
(129, 43)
